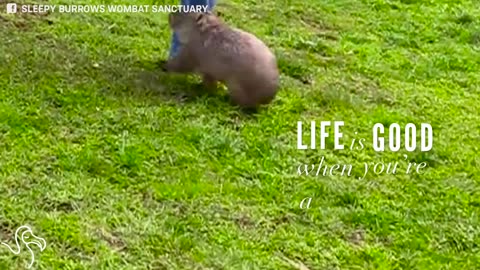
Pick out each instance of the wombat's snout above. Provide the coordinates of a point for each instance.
(171, 19)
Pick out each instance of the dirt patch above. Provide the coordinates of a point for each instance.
(321, 29)
(244, 222)
(284, 219)
(113, 239)
(357, 237)
(57, 206)
(7, 230)
(295, 264)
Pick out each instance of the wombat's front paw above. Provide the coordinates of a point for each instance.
(162, 64)
(209, 82)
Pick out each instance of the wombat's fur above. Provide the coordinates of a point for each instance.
(217, 52)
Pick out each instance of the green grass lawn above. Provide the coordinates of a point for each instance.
(118, 166)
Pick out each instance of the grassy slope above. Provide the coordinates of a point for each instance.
(118, 167)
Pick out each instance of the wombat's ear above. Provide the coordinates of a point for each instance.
(199, 17)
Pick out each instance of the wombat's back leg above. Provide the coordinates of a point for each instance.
(239, 96)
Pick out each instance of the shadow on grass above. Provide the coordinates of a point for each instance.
(148, 80)
(145, 79)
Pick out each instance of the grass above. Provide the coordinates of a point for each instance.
(117, 166)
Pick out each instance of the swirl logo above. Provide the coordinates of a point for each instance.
(25, 235)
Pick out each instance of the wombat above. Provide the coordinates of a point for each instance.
(220, 53)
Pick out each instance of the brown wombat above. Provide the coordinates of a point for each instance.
(220, 53)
